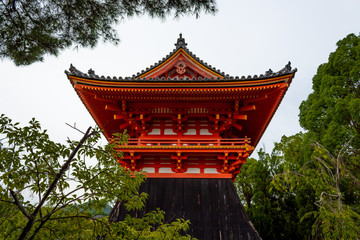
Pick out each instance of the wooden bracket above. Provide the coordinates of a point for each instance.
(110, 107)
(123, 106)
(133, 159)
(237, 126)
(247, 108)
(179, 122)
(236, 107)
(225, 125)
(240, 160)
(240, 116)
(179, 167)
(179, 119)
(225, 162)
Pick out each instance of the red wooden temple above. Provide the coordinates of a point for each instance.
(185, 119)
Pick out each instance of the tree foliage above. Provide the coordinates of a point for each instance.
(329, 179)
(311, 181)
(50, 190)
(334, 218)
(274, 211)
(332, 112)
(29, 29)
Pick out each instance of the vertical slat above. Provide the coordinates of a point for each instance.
(212, 206)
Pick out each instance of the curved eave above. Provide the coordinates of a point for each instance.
(275, 106)
(209, 83)
(215, 94)
(74, 73)
(95, 95)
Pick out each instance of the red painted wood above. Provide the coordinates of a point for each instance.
(188, 175)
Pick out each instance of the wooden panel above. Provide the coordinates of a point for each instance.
(212, 206)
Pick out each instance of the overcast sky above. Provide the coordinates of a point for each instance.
(245, 37)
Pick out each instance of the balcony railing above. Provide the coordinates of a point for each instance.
(188, 142)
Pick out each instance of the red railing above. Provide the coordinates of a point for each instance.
(188, 142)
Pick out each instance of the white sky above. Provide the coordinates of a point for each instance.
(245, 37)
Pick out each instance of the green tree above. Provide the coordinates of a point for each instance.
(325, 177)
(311, 180)
(331, 113)
(29, 29)
(302, 191)
(325, 161)
(49, 190)
(335, 219)
(275, 211)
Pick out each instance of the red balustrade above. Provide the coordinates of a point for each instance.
(188, 142)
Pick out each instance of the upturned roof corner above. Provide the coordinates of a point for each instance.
(178, 64)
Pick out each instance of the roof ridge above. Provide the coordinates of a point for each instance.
(180, 44)
(268, 74)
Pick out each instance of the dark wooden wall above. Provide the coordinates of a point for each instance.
(212, 206)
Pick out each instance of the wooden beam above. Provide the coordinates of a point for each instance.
(247, 108)
(240, 116)
(112, 108)
(237, 126)
(120, 116)
(124, 125)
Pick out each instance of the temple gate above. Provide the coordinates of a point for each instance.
(191, 127)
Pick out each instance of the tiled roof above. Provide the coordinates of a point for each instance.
(183, 45)
(180, 43)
